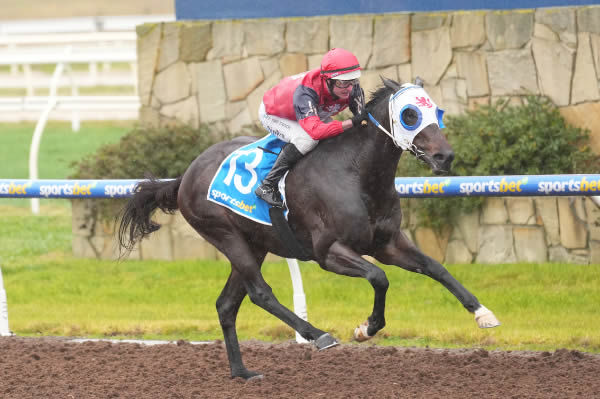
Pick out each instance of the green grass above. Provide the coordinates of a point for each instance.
(59, 148)
(541, 306)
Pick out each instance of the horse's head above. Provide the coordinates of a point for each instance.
(414, 122)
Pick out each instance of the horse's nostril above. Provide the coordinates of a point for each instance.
(444, 157)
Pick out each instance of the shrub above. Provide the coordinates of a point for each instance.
(531, 139)
(162, 152)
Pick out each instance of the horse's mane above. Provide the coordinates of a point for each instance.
(380, 93)
(384, 92)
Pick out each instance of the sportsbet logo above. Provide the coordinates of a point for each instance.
(423, 188)
(492, 186)
(571, 185)
(216, 194)
(83, 190)
(120, 190)
(14, 189)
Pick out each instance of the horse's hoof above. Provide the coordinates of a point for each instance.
(360, 332)
(485, 318)
(325, 341)
(248, 375)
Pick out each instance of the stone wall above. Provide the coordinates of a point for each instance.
(517, 229)
(95, 237)
(217, 71)
(506, 230)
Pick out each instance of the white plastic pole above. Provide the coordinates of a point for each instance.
(299, 297)
(39, 129)
(4, 330)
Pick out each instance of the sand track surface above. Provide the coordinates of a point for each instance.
(58, 368)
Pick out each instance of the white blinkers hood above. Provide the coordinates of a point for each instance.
(405, 130)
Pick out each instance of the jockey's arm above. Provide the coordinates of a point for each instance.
(320, 130)
(305, 105)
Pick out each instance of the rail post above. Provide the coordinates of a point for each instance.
(4, 330)
(299, 297)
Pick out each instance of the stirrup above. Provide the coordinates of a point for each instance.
(270, 195)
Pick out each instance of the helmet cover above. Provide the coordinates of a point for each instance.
(340, 64)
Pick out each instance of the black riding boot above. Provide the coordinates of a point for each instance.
(268, 190)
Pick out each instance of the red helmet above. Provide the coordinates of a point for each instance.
(340, 64)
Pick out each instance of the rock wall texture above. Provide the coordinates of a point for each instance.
(216, 72)
(517, 229)
(506, 230)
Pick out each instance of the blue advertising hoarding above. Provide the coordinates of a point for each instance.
(409, 187)
(238, 9)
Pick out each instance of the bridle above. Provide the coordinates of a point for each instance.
(404, 145)
(418, 153)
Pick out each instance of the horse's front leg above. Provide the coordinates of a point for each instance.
(401, 252)
(340, 259)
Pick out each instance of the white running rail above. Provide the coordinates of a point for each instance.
(80, 24)
(78, 53)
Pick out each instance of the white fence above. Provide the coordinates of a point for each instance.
(98, 42)
(80, 24)
(21, 52)
(21, 58)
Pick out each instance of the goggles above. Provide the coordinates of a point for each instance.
(342, 84)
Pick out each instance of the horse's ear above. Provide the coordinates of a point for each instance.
(419, 81)
(390, 84)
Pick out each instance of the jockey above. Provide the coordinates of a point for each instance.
(299, 110)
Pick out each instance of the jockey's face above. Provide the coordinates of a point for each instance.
(342, 92)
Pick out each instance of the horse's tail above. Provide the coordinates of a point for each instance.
(135, 216)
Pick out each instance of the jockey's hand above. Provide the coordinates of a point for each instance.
(359, 118)
(357, 100)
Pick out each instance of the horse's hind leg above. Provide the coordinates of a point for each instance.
(228, 305)
(403, 253)
(246, 278)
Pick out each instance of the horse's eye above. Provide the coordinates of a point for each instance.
(409, 117)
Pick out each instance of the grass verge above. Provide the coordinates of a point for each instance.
(541, 306)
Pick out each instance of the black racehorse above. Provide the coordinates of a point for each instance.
(342, 204)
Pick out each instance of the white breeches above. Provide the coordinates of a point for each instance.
(287, 130)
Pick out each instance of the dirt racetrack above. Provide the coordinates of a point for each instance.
(56, 368)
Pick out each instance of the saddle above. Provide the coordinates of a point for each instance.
(236, 179)
(240, 173)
